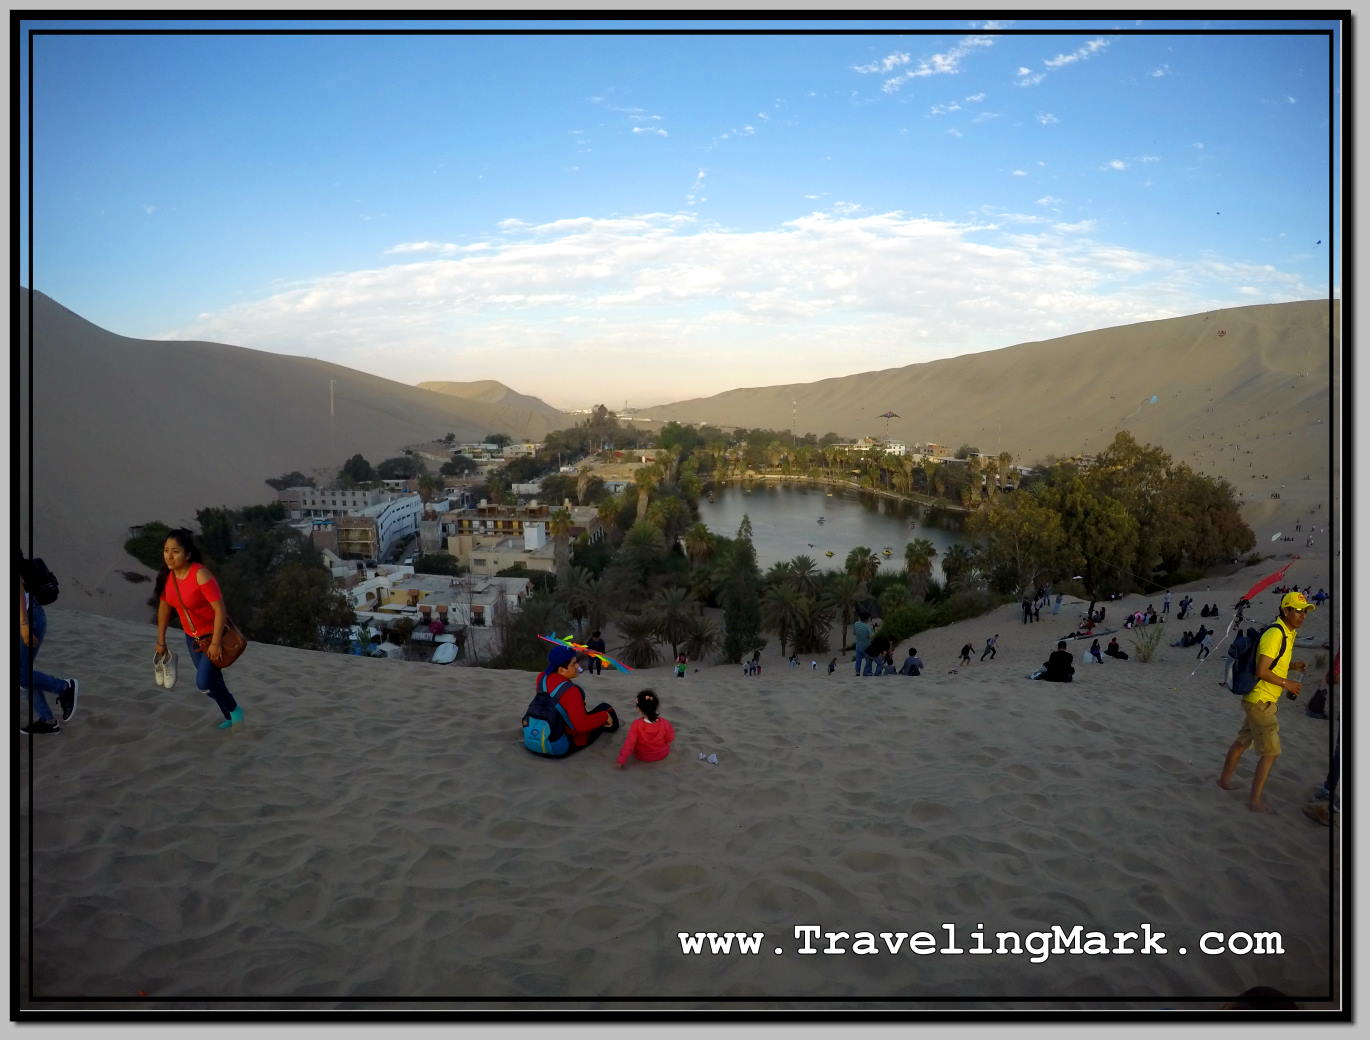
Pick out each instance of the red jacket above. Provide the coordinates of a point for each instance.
(650, 741)
(580, 723)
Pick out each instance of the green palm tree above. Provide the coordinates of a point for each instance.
(559, 524)
(804, 575)
(639, 648)
(918, 557)
(671, 610)
(782, 610)
(958, 566)
(699, 543)
(842, 593)
(863, 563)
(646, 478)
(702, 637)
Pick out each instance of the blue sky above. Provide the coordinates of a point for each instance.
(646, 218)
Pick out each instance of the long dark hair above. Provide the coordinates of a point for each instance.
(649, 704)
(186, 540)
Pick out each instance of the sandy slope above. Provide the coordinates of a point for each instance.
(131, 430)
(375, 831)
(1240, 394)
(492, 391)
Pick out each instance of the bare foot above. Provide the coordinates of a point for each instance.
(1227, 785)
(1260, 807)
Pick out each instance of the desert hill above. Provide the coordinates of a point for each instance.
(491, 391)
(131, 430)
(1206, 387)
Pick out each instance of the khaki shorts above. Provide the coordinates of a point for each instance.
(1260, 727)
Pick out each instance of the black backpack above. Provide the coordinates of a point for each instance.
(1244, 669)
(40, 582)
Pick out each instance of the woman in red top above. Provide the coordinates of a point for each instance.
(185, 585)
(650, 736)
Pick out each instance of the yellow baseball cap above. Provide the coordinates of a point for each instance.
(1297, 601)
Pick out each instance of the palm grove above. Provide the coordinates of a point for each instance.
(1133, 520)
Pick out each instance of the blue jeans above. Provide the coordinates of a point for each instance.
(209, 680)
(860, 656)
(36, 682)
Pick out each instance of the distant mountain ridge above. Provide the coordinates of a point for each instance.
(491, 391)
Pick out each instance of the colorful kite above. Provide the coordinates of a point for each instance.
(1270, 580)
(581, 648)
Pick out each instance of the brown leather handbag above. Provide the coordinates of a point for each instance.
(231, 644)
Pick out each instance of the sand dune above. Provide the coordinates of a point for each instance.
(1240, 393)
(492, 391)
(375, 832)
(128, 430)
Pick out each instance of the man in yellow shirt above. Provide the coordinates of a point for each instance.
(1259, 725)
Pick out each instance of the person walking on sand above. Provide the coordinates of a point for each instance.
(1165, 602)
(1205, 645)
(185, 585)
(966, 651)
(649, 738)
(1274, 662)
(33, 627)
(680, 662)
(990, 647)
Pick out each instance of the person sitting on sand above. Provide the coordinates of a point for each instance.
(875, 655)
(582, 727)
(1114, 650)
(1060, 666)
(1274, 662)
(1095, 652)
(649, 738)
(913, 664)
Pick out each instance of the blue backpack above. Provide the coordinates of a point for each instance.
(545, 721)
(1244, 668)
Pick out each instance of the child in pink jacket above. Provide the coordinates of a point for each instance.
(649, 738)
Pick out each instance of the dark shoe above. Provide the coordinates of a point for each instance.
(40, 726)
(67, 698)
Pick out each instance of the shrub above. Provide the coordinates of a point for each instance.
(1147, 641)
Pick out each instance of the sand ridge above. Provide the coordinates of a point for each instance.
(376, 832)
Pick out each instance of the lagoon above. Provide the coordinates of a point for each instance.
(785, 523)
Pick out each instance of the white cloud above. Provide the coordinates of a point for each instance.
(887, 64)
(148, 208)
(974, 98)
(953, 132)
(636, 293)
(650, 130)
(941, 110)
(942, 64)
(1028, 78)
(985, 117)
(1162, 70)
(1020, 173)
(1114, 164)
(1088, 50)
(1046, 118)
(1049, 200)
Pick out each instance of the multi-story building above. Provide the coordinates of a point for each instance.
(303, 502)
(370, 532)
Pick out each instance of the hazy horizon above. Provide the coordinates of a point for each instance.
(644, 219)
